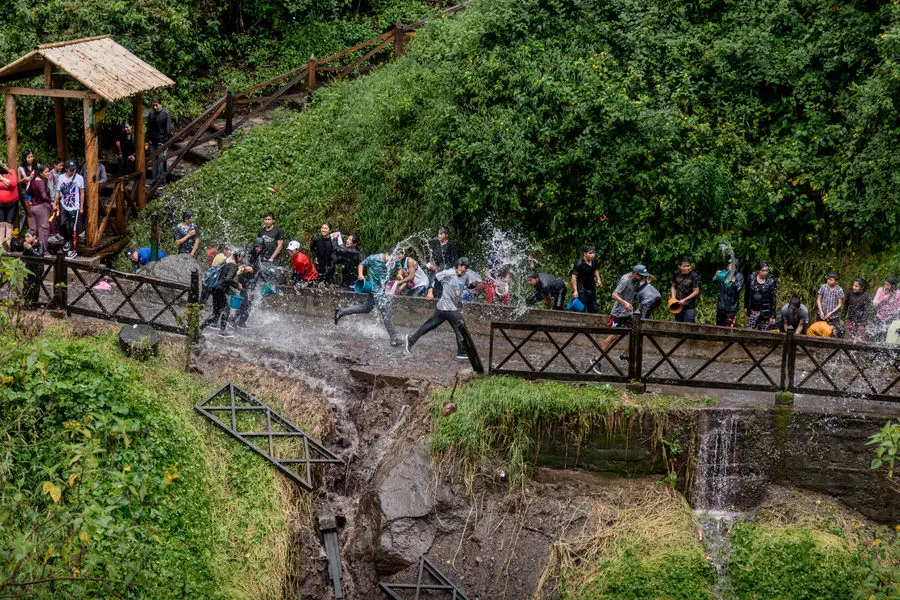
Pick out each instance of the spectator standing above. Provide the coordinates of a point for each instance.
(27, 173)
(794, 314)
(887, 307)
(349, 257)
(305, 273)
(547, 289)
(731, 282)
(686, 289)
(830, 299)
(70, 200)
(378, 271)
(187, 234)
(41, 206)
(159, 130)
(443, 257)
(322, 250)
(759, 299)
(447, 309)
(125, 151)
(9, 204)
(101, 173)
(272, 238)
(857, 311)
(53, 185)
(586, 279)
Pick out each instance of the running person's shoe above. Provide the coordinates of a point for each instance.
(596, 369)
(337, 315)
(225, 333)
(462, 355)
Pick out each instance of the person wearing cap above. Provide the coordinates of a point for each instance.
(70, 201)
(759, 299)
(830, 299)
(622, 314)
(443, 257)
(377, 266)
(731, 282)
(447, 308)
(187, 234)
(141, 256)
(586, 279)
(685, 290)
(9, 204)
(547, 289)
(305, 273)
(794, 314)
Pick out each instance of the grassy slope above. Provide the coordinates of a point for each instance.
(217, 531)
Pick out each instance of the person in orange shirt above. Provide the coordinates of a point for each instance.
(305, 273)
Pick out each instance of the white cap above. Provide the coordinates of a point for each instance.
(293, 245)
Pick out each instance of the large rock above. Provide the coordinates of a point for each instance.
(139, 341)
(177, 267)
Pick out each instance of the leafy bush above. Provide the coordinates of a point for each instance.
(109, 488)
(650, 128)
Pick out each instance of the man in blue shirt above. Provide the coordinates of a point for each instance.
(377, 265)
(141, 256)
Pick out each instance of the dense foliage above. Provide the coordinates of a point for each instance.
(109, 489)
(651, 128)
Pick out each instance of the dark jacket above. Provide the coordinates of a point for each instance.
(227, 278)
(730, 295)
(858, 307)
(443, 257)
(159, 127)
(350, 258)
(761, 296)
(547, 285)
(321, 252)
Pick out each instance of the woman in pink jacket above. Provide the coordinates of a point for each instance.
(887, 308)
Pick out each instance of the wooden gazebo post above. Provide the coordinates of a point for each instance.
(12, 140)
(91, 187)
(140, 157)
(59, 114)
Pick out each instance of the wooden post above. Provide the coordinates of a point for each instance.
(154, 239)
(398, 39)
(60, 283)
(120, 206)
(62, 140)
(91, 187)
(311, 75)
(12, 139)
(140, 156)
(229, 112)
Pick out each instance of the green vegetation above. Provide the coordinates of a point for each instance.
(499, 421)
(768, 124)
(112, 487)
(648, 550)
(887, 443)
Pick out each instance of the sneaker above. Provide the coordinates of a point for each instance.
(596, 369)
(67, 246)
(623, 357)
(462, 356)
(407, 345)
(225, 334)
(71, 254)
(55, 239)
(337, 315)
(396, 342)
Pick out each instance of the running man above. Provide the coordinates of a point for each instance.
(377, 265)
(622, 310)
(447, 309)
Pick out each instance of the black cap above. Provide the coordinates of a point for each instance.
(462, 262)
(444, 229)
(129, 253)
(794, 303)
(70, 165)
(188, 214)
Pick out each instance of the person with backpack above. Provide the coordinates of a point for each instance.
(220, 284)
(731, 282)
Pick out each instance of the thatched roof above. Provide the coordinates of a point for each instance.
(99, 63)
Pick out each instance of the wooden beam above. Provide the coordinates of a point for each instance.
(92, 190)
(140, 160)
(62, 140)
(12, 139)
(48, 75)
(24, 91)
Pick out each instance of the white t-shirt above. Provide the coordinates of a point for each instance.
(69, 198)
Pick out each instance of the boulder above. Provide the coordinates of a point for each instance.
(139, 341)
(177, 267)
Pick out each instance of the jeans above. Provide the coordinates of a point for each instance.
(725, 318)
(384, 308)
(418, 292)
(454, 317)
(69, 221)
(589, 299)
(687, 315)
(221, 310)
(159, 168)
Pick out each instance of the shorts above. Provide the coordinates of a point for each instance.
(626, 321)
(758, 320)
(8, 212)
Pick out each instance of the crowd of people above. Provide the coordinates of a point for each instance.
(335, 260)
(48, 198)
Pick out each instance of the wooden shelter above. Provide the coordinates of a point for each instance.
(92, 70)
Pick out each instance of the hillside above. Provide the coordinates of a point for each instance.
(650, 128)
